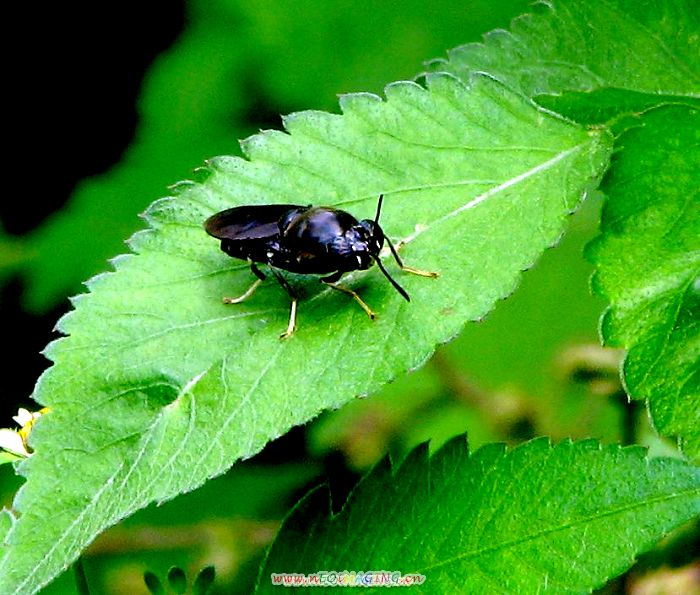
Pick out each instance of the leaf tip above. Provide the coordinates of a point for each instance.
(350, 102)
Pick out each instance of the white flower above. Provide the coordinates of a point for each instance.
(24, 416)
(12, 442)
(15, 441)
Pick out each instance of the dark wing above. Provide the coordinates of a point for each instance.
(249, 222)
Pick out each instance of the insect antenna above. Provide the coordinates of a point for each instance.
(379, 208)
(394, 253)
(398, 288)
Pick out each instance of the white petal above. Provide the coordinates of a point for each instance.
(23, 417)
(11, 441)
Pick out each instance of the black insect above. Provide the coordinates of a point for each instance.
(306, 240)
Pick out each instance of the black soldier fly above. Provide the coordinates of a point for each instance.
(305, 240)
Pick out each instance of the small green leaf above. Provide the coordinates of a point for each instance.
(153, 583)
(204, 581)
(648, 266)
(177, 580)
(574, 45)
(564, 518)
(161, 386)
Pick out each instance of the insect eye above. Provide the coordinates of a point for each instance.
(377, 238)
(371, 232)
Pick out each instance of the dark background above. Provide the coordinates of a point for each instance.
(74, 71)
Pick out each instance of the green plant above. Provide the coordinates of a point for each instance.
(158, 386)
(177, 581)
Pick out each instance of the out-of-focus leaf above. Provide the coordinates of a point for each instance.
(13, 254)
(153, 583)
(205, 579)
(177, 580)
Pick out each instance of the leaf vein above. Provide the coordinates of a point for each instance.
(563, 527)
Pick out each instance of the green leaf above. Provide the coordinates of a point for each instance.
(605, 106)
(564, 518)
(205, 579)
(177, 580)
(13, 254)
(160, 386)
(495, 374)
(153, 583)
(619, 60)
(651, 47)
(648, 266)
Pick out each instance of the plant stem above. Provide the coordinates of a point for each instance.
(629, 407)
(80, 577)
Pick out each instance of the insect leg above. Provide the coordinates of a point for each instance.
(408, 269)
(251, 290)
(291, 325)
(284, 283)
(330, 281)
(256, 271)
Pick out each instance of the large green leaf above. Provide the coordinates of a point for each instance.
(617, 60)
(477, 524)
(160, 386)
(575, 45)
(648, 266)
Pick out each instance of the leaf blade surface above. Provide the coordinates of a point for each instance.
(477, 523)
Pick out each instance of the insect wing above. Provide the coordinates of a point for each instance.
(248, 222)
